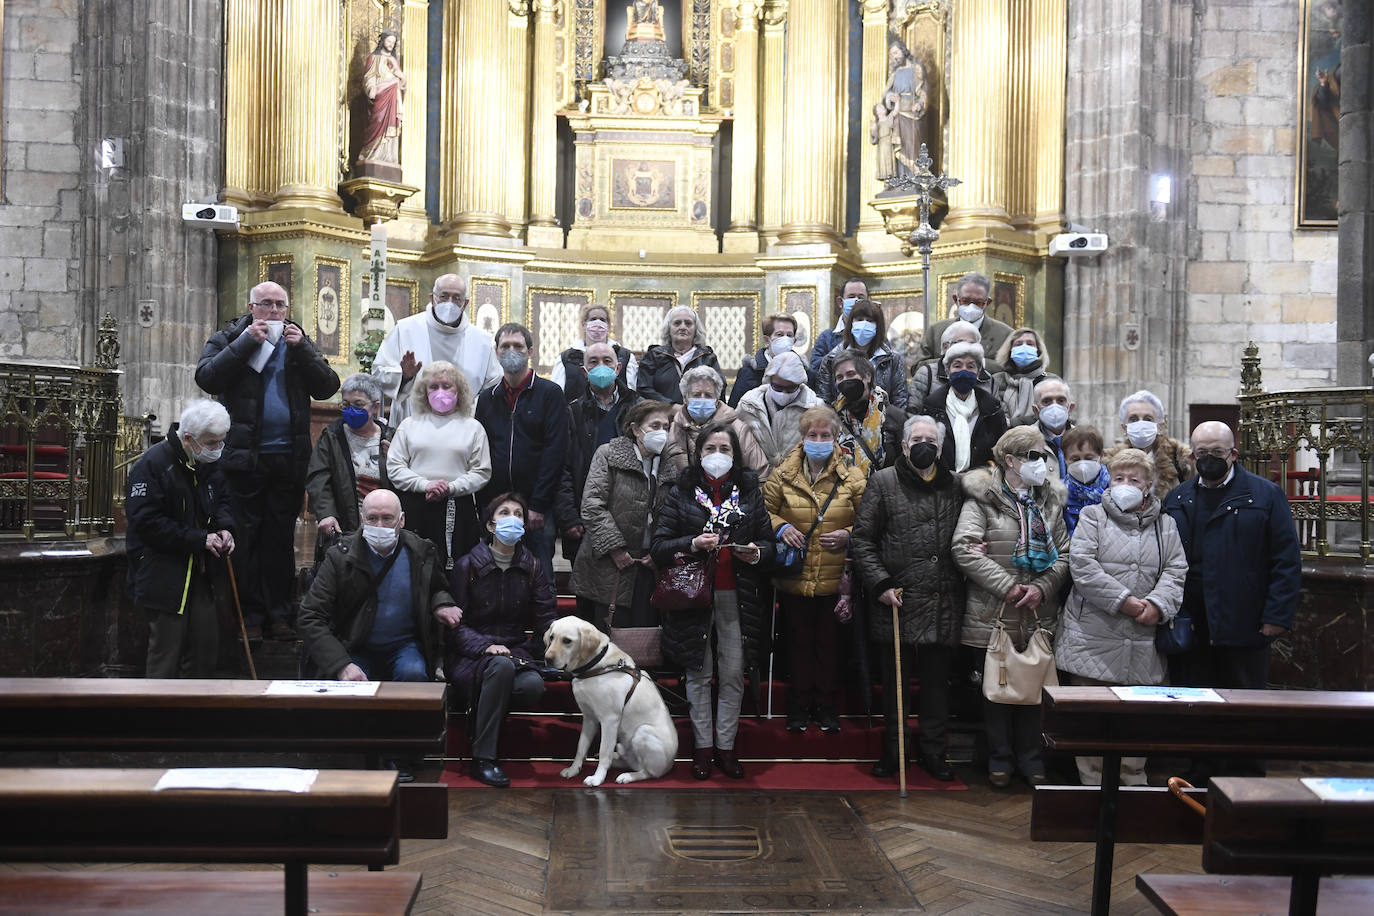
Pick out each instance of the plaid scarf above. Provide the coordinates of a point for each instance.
(1034, 550)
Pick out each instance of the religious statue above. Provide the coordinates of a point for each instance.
(882, 132)
(385, 86)
(644, 21)
(904, 97)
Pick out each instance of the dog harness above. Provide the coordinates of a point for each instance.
(634, 672)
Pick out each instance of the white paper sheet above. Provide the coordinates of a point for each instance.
(1169, 694)
(326, 688)
(249, 779)
(261, 357)
(1353, 790)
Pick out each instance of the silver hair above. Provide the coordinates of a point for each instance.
(1142, 395)
(964, 349)
(698, 337)
(1068, 391)
(361, 381)
(911, 421)
(203, 416)
(973, 277)
(955, 328)
(700, 373)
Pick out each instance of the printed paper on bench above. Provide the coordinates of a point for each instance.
(250, 779)
(1361, 790)
(1169, 694)
(327, 688)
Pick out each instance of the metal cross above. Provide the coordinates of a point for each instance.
(923, 237)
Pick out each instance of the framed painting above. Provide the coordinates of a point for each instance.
(904, 312)
(1319, 111)
(278, 269)
(489, 303)
(731, 320)
(1008, 300)
(402, 298)
(637, 317)
(800, 303)
(554, 318)
(331, 310)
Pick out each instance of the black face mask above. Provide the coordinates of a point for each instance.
(1211, 468)
(853, 391)
(963, 381)
(922, 454)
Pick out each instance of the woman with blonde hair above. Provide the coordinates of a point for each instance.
(438, 459)
(1025, 364)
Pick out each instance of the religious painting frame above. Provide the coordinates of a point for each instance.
(568, 323)
(941, 304)
(640, 185)
(621, 301)
(276, 268)
(1318, 141)
(896, 305)
(706, 302)
(329, 329)
(1008, 289)
(402, 296)
(489, 303)
(802, 303)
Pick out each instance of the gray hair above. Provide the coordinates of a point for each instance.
(361, 381)
(956, 328)
(203, 416)
(698, 337)
(1142, 395)
(1068, 391)
(702, 373)
(973, 277)
(964, 349)
(911, 422)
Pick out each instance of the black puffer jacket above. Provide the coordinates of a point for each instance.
(660, 374)
(686, 633)
(224, 372)
(990, 425)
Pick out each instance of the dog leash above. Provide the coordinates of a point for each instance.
(580, 672)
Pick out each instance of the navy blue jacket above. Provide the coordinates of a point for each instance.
(1251, 565)
(750, 376)
(527, 445)
(826, 341)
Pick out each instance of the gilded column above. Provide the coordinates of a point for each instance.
(242, 41)
(744, 163)
(772, 103)
(1050, 26)
(518, 113)
(874, 79)
(1022, 135)
(473, 189)
(301, 129)
(544, 228)
(812, 208)
(415, 60)
(978, 87)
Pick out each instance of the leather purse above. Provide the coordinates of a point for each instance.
(685, 584)
(1176, 636)
(643, 644)
(1017, 678)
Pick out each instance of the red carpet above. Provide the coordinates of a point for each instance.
(826, 777)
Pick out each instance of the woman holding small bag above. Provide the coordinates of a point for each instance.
(1012, 548)
(812, 499)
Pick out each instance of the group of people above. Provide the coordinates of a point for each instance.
(830, 490)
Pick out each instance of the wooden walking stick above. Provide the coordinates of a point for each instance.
(901, 698)
(238, 609)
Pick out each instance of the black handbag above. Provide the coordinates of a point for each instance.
(1176, 636)
(788, 560)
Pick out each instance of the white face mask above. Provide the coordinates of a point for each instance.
(783, 398)
(274, 330)
(448, 312)
(781, 345)
(971, 313)
(596, 331)
(380, 538)
(1085, 471)
(717, 465)
(1142, 433)
(1033, 472)
(1054, 416)
(655, 440)
(1126, 496)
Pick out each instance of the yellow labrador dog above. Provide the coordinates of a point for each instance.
(615, 697)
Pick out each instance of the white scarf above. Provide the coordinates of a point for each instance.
(962, 415)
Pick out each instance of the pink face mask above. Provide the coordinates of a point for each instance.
(442, 399)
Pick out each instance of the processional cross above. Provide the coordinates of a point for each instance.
(923, 237)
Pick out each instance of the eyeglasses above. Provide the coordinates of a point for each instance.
(271, 305)
(963, 300)
(1032, 455)
(450, 297)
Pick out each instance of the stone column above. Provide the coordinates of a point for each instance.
(473, 189)
(812, 203)
(773, 53)
(874, 79)
(978, 86)
(544, 229)
(518, 114)
(1355, 203)
(300, 76)
(415, 60)
(744, 163)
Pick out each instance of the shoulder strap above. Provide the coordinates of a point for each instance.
(833, 490)
(381, 574)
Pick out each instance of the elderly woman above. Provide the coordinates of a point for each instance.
(716, 513)
(440, 457)
(773, 411)
(684, 348)
(973, 418)
(507, 605)
(701, 406)
(1013, 550)
(1087, 479)
(1025, 364)
(866, 333)
(349, 461)
(812, 498)
(596, 328)
(902, 549)
(930, 374)
(626, 485)
(1142, 423)
(872, 428)
(1128, 568)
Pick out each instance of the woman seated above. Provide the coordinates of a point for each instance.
(702, 389)
(349, 461)
(866, 333)
(812, 499)
(716, 513)
(440, 456)
(973, 418)
(1128, 568)
(1142, 423)
(507, 605)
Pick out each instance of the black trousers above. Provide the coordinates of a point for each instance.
(266, 505)
(185, 644)
(932, 665)
(502, 686)
(1227, 667)
(430, 521)
(811, 645)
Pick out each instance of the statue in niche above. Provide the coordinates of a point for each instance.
(385, 86)
(644, 21)
(882, 132)
(904, 101)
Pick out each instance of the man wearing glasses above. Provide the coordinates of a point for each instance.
(972, 295)
(441, 332)
(265, 370)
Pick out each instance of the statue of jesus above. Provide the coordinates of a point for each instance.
(644, 21)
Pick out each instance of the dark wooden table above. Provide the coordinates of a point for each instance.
(1290, 724)
(1225, 895)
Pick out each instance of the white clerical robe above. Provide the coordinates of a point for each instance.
(469, 348)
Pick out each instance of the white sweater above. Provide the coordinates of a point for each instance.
(429, 447)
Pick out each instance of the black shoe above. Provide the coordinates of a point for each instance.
(797, 720)
(489, 772)
(827, 720)
(937, 767)
(404, 770)
(885, 767)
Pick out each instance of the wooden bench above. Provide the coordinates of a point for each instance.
(1227, 895)
(116, 815)
(179, 716)
(1094, 721)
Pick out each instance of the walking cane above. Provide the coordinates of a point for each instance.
(238, 609)
(901, 704)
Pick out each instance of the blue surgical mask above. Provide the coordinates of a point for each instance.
(701, 409)
(601, 377)
(1024, 354)
(863, 331)
(509, 530)
(848, 305)
(818, 450)
(356, 417)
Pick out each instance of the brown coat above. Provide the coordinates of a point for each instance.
(682, 439)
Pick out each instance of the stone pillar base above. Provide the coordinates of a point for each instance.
(544, 236)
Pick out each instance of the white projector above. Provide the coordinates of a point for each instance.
(1078, 244)
(210, 216)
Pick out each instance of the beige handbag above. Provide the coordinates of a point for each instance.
(1016, 678)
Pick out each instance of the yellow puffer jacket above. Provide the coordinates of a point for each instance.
(792, 499)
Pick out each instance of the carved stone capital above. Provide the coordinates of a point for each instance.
(874, 8)
(519, 8)
(547, 9)
(774, 12)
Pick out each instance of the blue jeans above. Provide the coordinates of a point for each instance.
(406, 663)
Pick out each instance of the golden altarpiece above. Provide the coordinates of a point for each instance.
(725, 154)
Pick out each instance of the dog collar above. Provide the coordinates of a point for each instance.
(582, 669)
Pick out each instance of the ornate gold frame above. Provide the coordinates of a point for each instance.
(280, 257)
(755, 325)
(504, 283)
(815, 291)
(1300, 219)
(414, 287)
(345, 307)
(1020, 281)
(530, 292)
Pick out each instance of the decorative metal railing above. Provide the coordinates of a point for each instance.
(1317, 444)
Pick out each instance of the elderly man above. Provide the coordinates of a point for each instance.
(179, 517)
(265, 370)
(373, 611)
(1050, 412)
(773, 410)
(972, 295)
(1244, 569)
(779, 337)
(853, 290)
(440, 332)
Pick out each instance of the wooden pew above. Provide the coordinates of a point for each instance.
(177, 716)
(1224, 895)
(116, 815)
(1288, 724)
